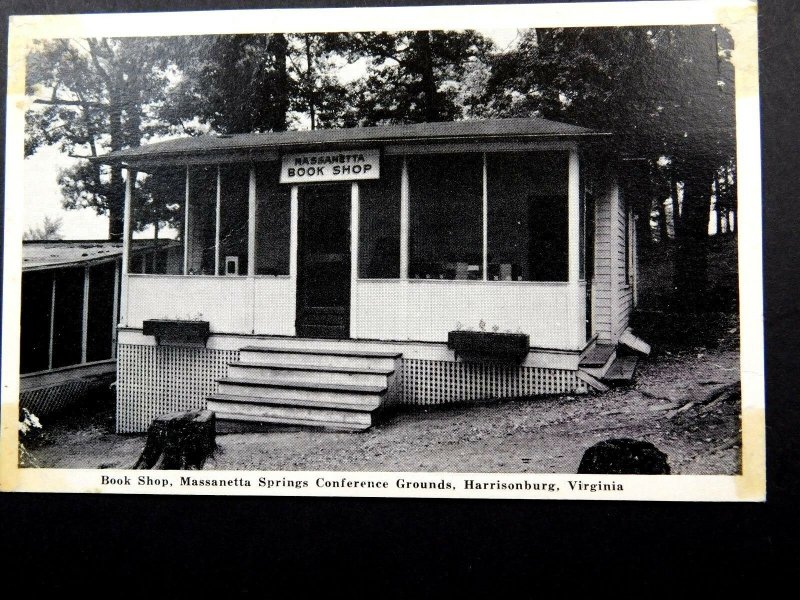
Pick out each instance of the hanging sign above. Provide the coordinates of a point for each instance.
(347, 165)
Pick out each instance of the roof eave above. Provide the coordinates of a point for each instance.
(270, 151)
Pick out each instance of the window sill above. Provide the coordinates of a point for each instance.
(416, 281)
(228, 277)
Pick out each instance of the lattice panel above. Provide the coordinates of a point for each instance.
(155, 380)
(441, 382)
(47, 401)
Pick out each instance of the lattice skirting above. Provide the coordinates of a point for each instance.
(43, 402)
(441, 382)
(155, 380)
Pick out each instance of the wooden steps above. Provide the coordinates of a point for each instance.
(622, 370)
(604, 365)
(598, 355)
(597, 360)
(334, 388)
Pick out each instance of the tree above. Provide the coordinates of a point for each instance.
(93, 96)
(314, 60)
(230, 83)
(414, 76)
(50, 229)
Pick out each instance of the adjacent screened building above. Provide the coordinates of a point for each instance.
(328, 274)
(69, 316)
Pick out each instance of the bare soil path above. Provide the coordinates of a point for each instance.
(537, 435)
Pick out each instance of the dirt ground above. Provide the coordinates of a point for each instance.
(676, 403)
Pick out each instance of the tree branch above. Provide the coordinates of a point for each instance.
(93, 50)
(83, 103)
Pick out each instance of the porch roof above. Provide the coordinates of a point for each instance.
(488, 129)
(51, 254)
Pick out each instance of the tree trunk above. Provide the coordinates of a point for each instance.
(641, 208)
(310, 82)
(691, 267)
(182, 440)
(116, 205)
(116, 194)
(676, 207)
(430, 95)
(663, 233)
(280, 49)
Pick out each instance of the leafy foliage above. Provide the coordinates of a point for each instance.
(93, 96)
(50, 229)
(414, 76)
(232, 83)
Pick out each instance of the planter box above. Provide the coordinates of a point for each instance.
(481, 346)
(175, 332)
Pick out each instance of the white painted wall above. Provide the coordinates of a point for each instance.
(425, 310)
(274, 305)
(244, 305)
(612, 294)
(384, 310)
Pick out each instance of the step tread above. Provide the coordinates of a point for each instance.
(353, 388)
(233, 418)
(274, 364)
(304, 402)
(598, 355)
(622, 369)
(322, 352)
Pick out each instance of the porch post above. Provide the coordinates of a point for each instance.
(634, 257)
(186, 227)
(218, 220)
(52, 323)
(355, 205)
(485, 221)
(295, 215)
(404, 219)
(251, 223)
(126, 246)
(573, 203)
(85, 316)
(405, 239)
(115, 311)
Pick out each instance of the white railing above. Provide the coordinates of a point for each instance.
(552, 314)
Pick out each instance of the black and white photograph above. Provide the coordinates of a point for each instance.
(497, 251)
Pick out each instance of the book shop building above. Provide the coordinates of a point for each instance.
(317, 278)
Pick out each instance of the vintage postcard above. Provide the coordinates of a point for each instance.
(507, 251)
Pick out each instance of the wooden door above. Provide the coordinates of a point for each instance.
(323, 292)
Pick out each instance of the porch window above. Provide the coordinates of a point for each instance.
(100, 320)
(37, 290)
(165, 190)
(273, 221)
(202, 220)
(233, 255)
(68, 317)
(528, 216)
(379, 223)
(446, 199)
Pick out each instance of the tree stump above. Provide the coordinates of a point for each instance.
(181, 440)
(624, 457)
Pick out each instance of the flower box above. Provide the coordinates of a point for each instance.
(483, 346)
(176, 332)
